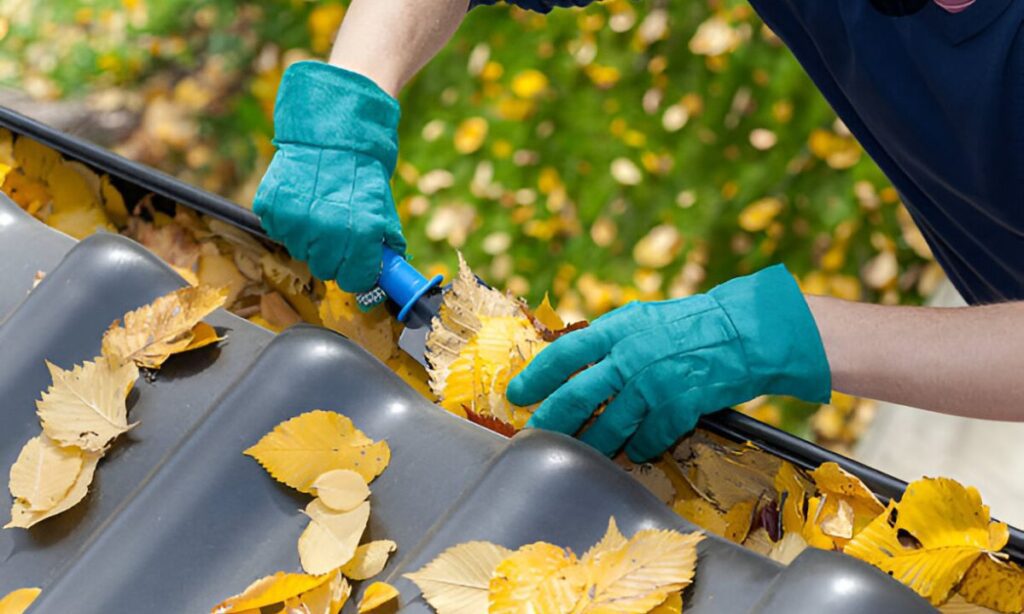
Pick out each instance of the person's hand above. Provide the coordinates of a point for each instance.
(327, 195)
(665, 364)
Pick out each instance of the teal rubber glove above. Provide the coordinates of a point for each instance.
(327, 193)
(668, 363)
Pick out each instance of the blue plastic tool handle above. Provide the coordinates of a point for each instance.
(403, 283)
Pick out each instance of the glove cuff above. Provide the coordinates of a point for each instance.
(785, 354)
(324, 106)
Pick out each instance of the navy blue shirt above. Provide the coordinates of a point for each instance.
(937, 100)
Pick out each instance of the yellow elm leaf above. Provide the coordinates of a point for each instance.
(219, 271)
(301, 449)
(612, 541)
(71, 188)
(341, 489)
(202, 335)
(270, 590)
(938, 531)
(547, 315)
(457, 581)
(328, 598)
(18, 601)
(44, 472)
(35, 159)
(840, 487)
(369, 559)
(80, 222)
(331, 538)
(376, 595)
(23, 517)
(538, 577)
(153, 332)
(673, 604)
(644, 572)
(994, 584)
(85, 407)
(732, 525)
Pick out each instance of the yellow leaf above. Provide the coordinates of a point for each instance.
(538, 578)
(529, 83)
(300, 450)
(35, 159)
(341, 489)
(22, 517)
(376, 595)
(732, 525)
(759, 214)
(369, 559)
(994, 584)
(547, 316)
(85, 407)
(18, 601)
(202, 335)
(328, 598)
(270, 590)
(940, 528)
(470, 135)
(373, 331)
(331, 538)
(113, 202)
(643, 573)
(612, 541)
(80, 222)
(153, 332)
(44, 473)
(219, 271)
(673, 604)
(71, 189)
(457, 581)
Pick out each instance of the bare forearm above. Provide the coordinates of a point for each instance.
(390, 40)
(964, 361)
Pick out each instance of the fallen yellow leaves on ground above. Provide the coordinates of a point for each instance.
(18, 601)
(85, 408)
(643, 574)
(322, 453)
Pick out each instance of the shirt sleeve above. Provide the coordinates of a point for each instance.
(540, 6)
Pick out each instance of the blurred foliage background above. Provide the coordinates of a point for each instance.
(630, 150)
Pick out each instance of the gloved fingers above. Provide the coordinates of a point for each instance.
(569, 407)
(665, 424)
(394, 238)
(556, 363)
(360, 269)
(616, 423)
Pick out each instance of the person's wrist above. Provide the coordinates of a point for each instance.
(325, 106)
(781, 342)
(388, 80)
